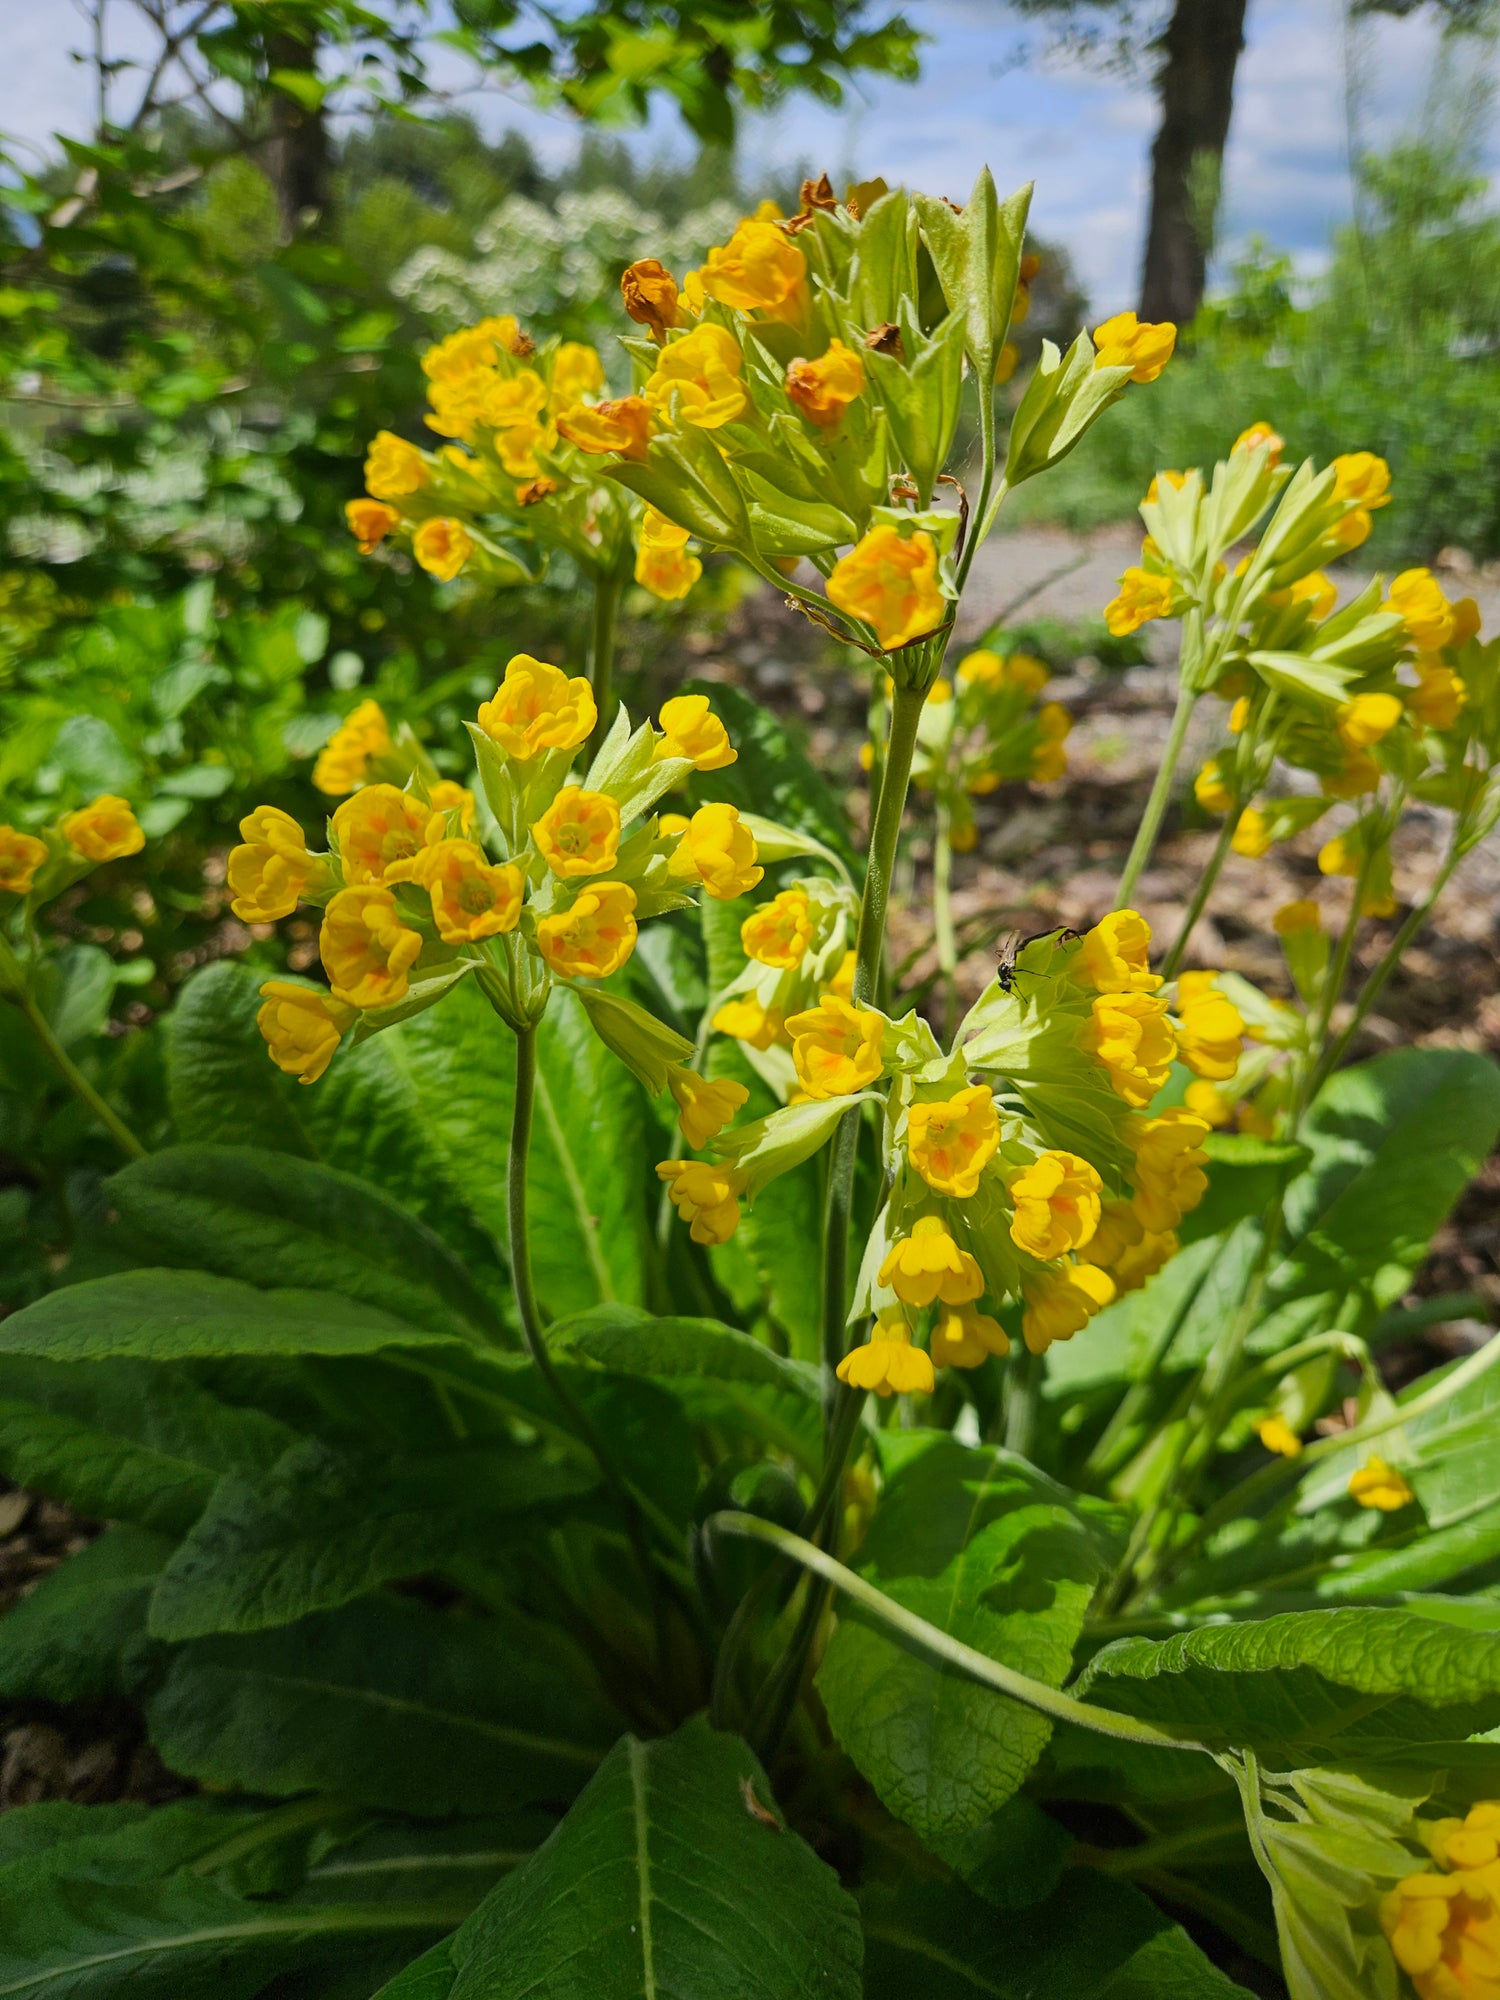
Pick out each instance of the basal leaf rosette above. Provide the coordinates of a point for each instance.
(541, 875)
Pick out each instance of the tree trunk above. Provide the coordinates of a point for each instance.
(1195, 83)
(297, 156)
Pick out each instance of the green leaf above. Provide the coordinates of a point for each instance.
(77, 1635)
(181, 1938)
(386, 1704)
(711, 1369)
(1341, 1684)
(125, 1440)
(660, 1881)
(274, 1220)
(1093, 1939)
(980, 1545)
(186, 1316)
(977, 253)
(321, 1528)
(1394, 1142)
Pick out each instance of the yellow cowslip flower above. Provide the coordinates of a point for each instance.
(1301, 915)
(622, 425)
(758, 269)
(537, 708)
(1466, 621)
(1210, 790)
(1119, 1230)
(1363, 478)
(1315, 590)
(842, 982)
(662, 564)
(1139, 345)
(1379, 1485)
(1277, 1435)
(717, 850)
(1358, 774)
(1143, 1260)
(837, 1047)
(1444, 1932)
(366, 949)
(928, 1266)
(448, 796)
(21, 855)
(823, 389)
(1049, 760)
(1008, 360)
(517, 447)
(394, 468)
(963, 1337)
(1418, 597)
(474, 348)
(579, 833)
(1115, 956)
(889, 1362)
(1348, 534)
(672, 826)
(302, 1027)
(705, 1108)
(458, 404)
(1239, 715)
(745, 1020)
(1470, 1842)
(472, 898)
(442, 547)
(1209, 1104)
(1256, 435)
(1367, 718)
(1060, 1302)
(890, 580)
(577, 371)
(779, 932)
(1210, 1030)
(1176, 480)
(270, 871)
(517, 399)
(379, 834)
(1252, 834)
(950, 1142)
(691, 729)
(650, 294)
(345, 759)
(697, 380)
(370, 521)
(1169, 1162)
(1057, 1202)
(104, 830)
(593, 938)
(706, 1197)
(1142, 597)
(1339, 856)
(1133, 1039)
(1439, 697)
(983, 668)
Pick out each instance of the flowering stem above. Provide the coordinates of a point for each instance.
(939, 1645)
(1333, 985)
(942, 918)
(1206, 885)
(1375, 985)
(16, 990)
(607, 587)
(580, 1422)
(1161, 792)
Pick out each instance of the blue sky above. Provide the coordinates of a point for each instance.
(1083, 138)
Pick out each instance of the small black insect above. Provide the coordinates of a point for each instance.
(1015, 944)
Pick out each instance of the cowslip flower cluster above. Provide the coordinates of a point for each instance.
(790, 404)
(984, 728)
(1443, 1923)
(36, 866)
(798, 947)
(1030, 1164)
(545, 877)
(518, 471)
